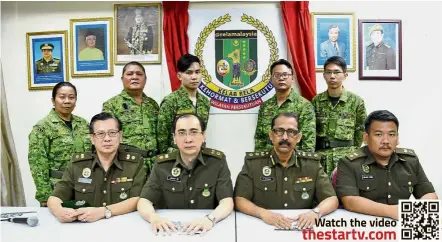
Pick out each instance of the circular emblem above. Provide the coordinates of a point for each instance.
(206, 192)
(176, 171)
(249, 66)
(123, 195)
(80, 203)
(266, 171)
(365, 169)
(86, 172)
(305, 195)
(223, 67)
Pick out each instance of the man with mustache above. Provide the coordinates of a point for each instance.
(184, 100)
(374, 178)
(284, 178)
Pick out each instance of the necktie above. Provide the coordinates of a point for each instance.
(336, 48)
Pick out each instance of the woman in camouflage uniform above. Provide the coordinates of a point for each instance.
(54, 139)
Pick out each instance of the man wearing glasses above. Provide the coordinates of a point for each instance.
(285, 100)
(284, 178)
(340, 116)
(193, 177)
(102, 184)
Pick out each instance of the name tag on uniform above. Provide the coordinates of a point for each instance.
(173, 179)
(84, 180)
(265, 178)
(367, 177)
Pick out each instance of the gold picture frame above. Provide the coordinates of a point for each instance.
(138, 33)
(47, 59)
(334, 34)
(91, 47)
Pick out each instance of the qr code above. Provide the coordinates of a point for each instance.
(420, 219)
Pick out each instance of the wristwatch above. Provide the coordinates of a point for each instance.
(212, 219)
(107, 212)
(316, 210)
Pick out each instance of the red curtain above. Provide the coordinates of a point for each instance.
(298, 29)
(176, 41)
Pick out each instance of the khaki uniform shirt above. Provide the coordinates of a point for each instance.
(86, 180)
(173, 185)
(360, 175)
(301, 185)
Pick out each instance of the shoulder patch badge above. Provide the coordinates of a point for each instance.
(256, 155)
(404, 151)
(166, 157)
(354, 155)
(215, 153)
(82, 156)
(308, 155)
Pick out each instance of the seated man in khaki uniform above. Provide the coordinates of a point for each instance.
(192, 177)
(284, 179)
(102, 184)
(372, 179)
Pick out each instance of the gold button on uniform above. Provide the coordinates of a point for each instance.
(285, 204)
(190, 188)
(104, 192)
(389, 196)
(389, 183)
(191, 201)
(285, 178)
(285, 192)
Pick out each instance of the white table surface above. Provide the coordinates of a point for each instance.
(123, 228)
(253, 229)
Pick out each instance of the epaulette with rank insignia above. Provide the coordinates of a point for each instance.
(82, 156)
(404, 151)
(254, 155)
(215, 153)
(129, 156)
(354, 155)
(166, 157)
(308, 155)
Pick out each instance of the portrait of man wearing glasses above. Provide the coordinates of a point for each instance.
(286, 99)
(284, 178)
(193, 177)
(99, 184)
(340, 116)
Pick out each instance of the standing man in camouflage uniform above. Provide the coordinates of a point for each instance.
(285, 100)
(282, 178)
(47, 64)
(184, 100)
(374, 178)
(340, 116)
(137, 112)
(379, 56)
(99, 184)
(140, 36)
(53, 140)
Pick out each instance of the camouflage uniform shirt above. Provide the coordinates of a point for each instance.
(294, 104)
(139, 122)
(338, 125)
(51, 145)
(175, 104)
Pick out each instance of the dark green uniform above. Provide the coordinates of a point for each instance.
(86, 180)
(339, 128)
(174, 104)
(266, 183)
(380, 57)
(174, 186)
(360, 175)
(44, 67)
(139, 123)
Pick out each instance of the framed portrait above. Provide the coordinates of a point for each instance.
(138, 34)
(91, 47)
(334, 35)
(380, 49)
(47, 59)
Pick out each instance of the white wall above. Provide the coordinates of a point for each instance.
(414, 100)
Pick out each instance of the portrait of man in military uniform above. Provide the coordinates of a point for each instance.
(379, 55)
(48, 63)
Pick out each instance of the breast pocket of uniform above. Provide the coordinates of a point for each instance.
(345, 129)
(84, 192)
(173, 195)
(265, 192)
(206, 195)
(406, 186)
(321, 126)
(304, 194)
(368, 188)
(121, 191)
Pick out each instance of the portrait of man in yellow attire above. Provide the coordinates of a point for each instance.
(90, 52)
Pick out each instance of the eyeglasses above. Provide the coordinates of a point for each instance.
(290, 132)
(283, 75)
(329, 73)
(192, 133)
(111, 133)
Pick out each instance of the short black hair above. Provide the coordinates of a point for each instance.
(60, 85)
(102, 117)
(287, 115)
(185, 61)
(187, 115)
(133, 63)
(281, 62)
(380, 115)
(337, 60)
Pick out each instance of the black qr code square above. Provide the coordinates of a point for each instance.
(420, 220)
